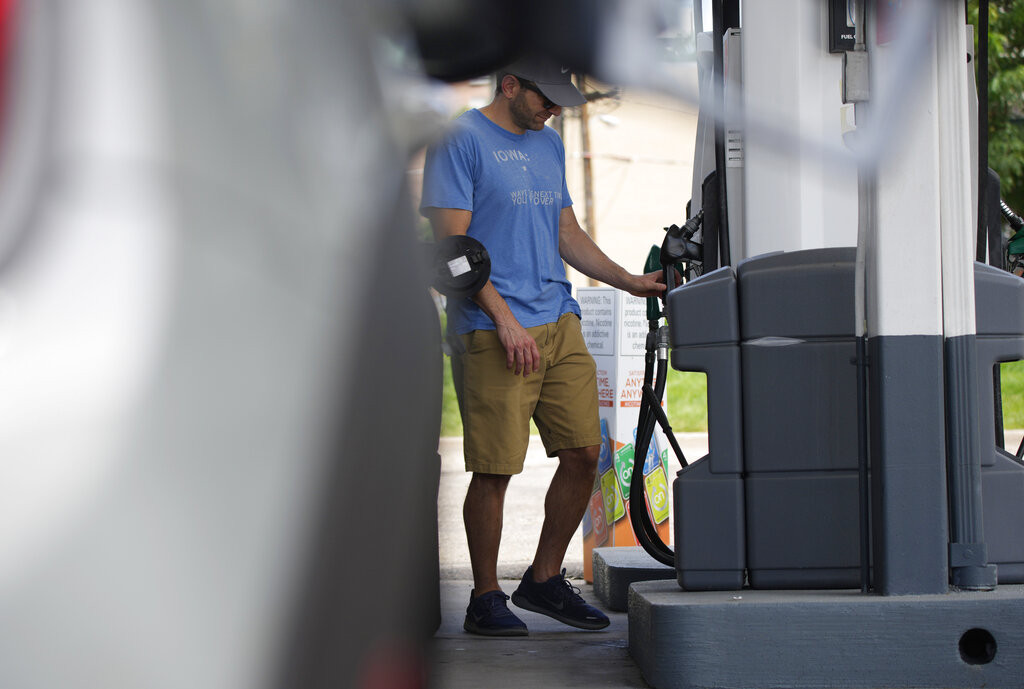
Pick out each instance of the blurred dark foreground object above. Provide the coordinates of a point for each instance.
(220, 461)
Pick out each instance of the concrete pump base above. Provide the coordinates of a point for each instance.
(616, 568)
(752, 639)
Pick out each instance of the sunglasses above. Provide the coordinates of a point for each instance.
(530, 86)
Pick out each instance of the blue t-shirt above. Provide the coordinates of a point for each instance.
(514, 184)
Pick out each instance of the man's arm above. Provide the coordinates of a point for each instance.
(580, 252)
(521, 349)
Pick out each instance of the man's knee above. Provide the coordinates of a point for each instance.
(489, 484)
(581, 459)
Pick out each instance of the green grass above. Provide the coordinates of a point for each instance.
(451, 424)
(1012, 376)
(686, 396)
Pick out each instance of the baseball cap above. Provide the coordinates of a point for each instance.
(553, 80)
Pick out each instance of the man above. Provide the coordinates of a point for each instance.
(499, 176)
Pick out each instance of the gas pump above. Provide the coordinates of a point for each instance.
(802, 498)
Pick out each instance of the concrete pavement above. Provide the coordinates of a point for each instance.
(553, 655)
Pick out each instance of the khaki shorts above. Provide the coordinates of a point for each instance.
(497, 405)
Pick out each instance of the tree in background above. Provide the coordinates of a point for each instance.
(1006, 94)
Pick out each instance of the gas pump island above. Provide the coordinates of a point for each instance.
(857, 521)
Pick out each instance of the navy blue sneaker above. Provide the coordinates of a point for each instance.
(488, 614)
(559, 599)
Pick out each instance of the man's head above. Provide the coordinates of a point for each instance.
(536, 89)
(548, 78)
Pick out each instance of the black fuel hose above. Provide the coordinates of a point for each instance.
(650, 401)
(643, 526)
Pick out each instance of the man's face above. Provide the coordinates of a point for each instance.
(528, 111)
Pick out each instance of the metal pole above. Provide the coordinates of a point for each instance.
(981, 58)
(903, 286)
(968, 559)
(718, 13)
(588, 174)
(866, 173)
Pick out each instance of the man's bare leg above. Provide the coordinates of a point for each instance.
(564, 506)
(482, 512)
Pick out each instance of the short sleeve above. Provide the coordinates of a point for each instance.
(448, 174)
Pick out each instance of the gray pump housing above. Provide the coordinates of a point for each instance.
(774, 503)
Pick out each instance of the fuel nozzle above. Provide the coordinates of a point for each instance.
(679, 245)
(1015, 245)
(1015, 221)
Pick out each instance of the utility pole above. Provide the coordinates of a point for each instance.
(588, 175)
